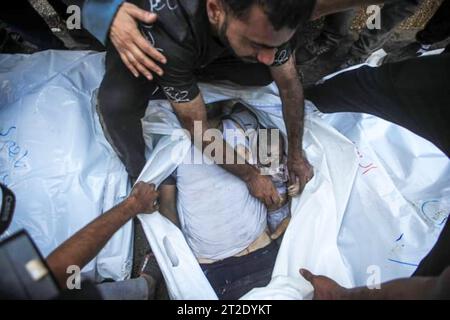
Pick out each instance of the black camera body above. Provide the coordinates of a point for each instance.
(23, 271)
(7, 206)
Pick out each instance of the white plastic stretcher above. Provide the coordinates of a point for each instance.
(375, 207)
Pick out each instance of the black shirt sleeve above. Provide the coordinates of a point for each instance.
(283, 54)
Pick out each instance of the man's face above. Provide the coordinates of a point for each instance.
(252, 37)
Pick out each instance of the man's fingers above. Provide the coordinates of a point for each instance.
(311, 173)
(294, 189)
(129, 65)
(155, 194)
(148, 49)
(307, 275)
(140, 68)
(292, 177)
(148, 189)
(145, 61)
(140, 14)
(272, 197)
(275, 197)
(306, 178)
(302, 183)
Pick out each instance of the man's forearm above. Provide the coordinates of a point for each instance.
(292, 98)
(401, 289)
(195, 112)
(83, 246)
(243, 171)
(237, 166)
(293, 114)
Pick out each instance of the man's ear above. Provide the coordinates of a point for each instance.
(215, 11)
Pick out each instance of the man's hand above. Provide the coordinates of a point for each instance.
(300, 171)
(144, 197)
(292, 97)
(324, 288)
(262, 188)
(134, 50)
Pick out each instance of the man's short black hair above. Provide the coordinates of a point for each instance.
(281, 13)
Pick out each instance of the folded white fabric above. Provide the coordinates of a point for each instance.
(375, 207)
(349, 221)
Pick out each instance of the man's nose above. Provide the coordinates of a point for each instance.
(267, 56)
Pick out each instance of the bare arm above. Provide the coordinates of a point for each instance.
(260, 186)
(168, 203)
(422, 288)
(408, 288)
(83, 246)
(195, 112)
(291, 92)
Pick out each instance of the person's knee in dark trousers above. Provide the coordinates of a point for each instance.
(122, 101)
(120, 116)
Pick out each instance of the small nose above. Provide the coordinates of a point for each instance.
(267, 56)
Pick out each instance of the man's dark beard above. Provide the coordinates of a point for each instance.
(222, 34)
